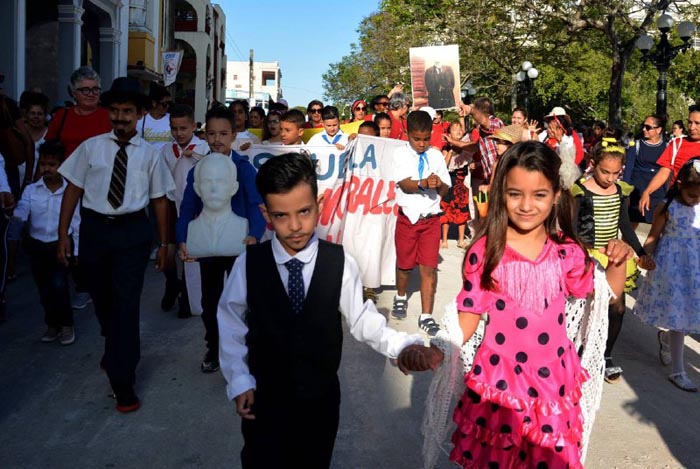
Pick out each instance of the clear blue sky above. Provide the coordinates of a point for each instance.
(304, 37)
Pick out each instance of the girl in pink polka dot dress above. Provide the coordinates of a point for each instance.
(521, 403)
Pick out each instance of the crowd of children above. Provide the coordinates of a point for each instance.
(537, 245)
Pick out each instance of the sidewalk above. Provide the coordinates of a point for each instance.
(54, 409)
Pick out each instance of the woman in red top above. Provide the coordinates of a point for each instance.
(72, 126)
(398, 108)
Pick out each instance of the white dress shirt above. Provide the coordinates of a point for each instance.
(90, 168)
(406, 167)
(180, 166)
(319, 140)
(43, 209)
(366, 324)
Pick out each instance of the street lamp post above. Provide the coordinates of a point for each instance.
(526, 79)
(663, 53)
(468, 93)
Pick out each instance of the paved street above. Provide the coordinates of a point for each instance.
(55, 410)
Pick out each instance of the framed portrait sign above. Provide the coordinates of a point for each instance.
(435, 76)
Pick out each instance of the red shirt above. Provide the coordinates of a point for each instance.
(398, 128)
(436, 139)
(77, 128)
(685, 149)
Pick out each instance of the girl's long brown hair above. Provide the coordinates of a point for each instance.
(531, 156)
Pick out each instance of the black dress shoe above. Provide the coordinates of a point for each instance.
(169, 298)
(184, 311)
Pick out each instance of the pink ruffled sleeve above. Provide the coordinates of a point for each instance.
(472, 298)
(577, 280)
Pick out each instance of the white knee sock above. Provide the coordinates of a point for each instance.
(676, 341)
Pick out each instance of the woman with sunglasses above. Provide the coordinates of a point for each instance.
(641, 167)
(73, 125)
(359, 111)
(271, 129)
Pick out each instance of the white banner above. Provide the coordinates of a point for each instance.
(171, 65)
(358, 190)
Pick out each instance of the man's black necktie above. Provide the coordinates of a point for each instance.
(117, 184)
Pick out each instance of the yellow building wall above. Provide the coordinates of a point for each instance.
(141, 48)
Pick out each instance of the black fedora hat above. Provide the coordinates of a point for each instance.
(124, 89)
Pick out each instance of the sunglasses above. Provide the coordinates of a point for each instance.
(315, 111)
(649, 127)
(86, 90)
(383, 103)
(273, 121)
(360, 108)
(165, 103)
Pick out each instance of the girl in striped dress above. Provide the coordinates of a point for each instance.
(601, 209)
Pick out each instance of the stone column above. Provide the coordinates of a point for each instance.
(69, 23)
(13, 28)
(110, 39)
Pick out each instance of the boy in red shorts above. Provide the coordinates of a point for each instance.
(422, 179)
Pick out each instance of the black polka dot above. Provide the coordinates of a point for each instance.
(563, 365)
(521, 323)
(546, 303)
(481, 421)
(527, 419)
(518, 369)
(500, 305)
(468, 285)
(488, 319)
(494, 359)
(542, 465)
(494, 407)
(473, 258)
(522, 455)
(493, 465)
(568, 424)
(484, 444)
(508, 448)
(560, 351)
(459, 404)
(562, 253)
(521, 357)
(558, 449)
(502, 385)
(562, 390)
(543, 338)
(543, 372)
(467, 455)
(474, 397)
(506, 428)
(477, 369)
(532, 392)
(560, 319)
(500, 338)
(547, 429)
(468, 303)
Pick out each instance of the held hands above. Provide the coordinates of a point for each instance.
(183, 252)
(618, 252)
(244, 404)
(434, 182)
(419, 358)
(646, 262)
(8, 201)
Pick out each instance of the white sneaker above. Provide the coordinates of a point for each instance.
(681, 381)
(81, 300)
(67, 335)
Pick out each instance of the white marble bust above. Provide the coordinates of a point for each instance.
(217, 231)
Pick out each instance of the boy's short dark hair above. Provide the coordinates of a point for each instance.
(419, 121)
(283, 173)
(484, 105)
(313, 103)
(182, 110)
(157, 92)
(329, 112)
(52, 148)
(370, 125)
(381, 116)
(294, 116)
(220, 112)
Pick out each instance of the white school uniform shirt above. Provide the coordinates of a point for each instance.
(90, 168)
(366, 324)
(406, 166)
(179, 166)
(155, 131)
(243, 138)
(322, 138)
(43, 209)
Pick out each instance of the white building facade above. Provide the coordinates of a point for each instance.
(267, 78)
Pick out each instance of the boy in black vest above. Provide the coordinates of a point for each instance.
(280, 322)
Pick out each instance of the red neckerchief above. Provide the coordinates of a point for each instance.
(176, 149)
